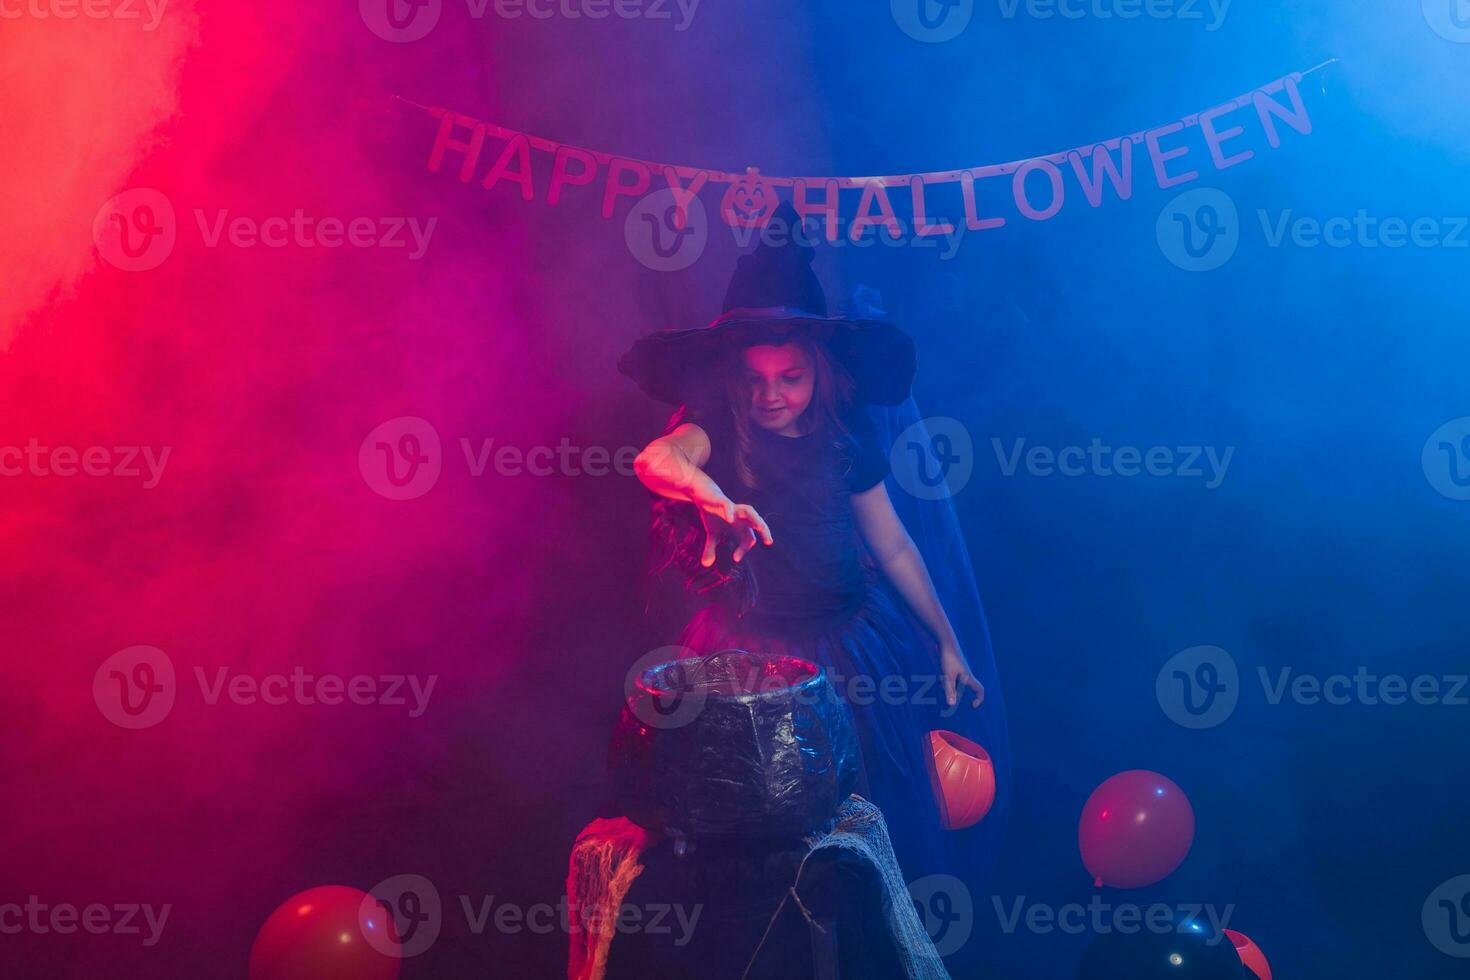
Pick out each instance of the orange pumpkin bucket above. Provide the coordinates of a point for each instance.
(963, 778)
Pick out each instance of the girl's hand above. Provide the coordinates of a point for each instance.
(957, 675)
(721, 516)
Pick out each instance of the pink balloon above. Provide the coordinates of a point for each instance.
(1136, 829)
(1250, 954)
(324, 934)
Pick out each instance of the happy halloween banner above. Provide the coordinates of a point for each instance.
(750, 198)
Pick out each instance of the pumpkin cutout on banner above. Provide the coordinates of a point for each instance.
(1136, 828)
(323, 934)
(749, 201)
(963, 778)
(1250, 954)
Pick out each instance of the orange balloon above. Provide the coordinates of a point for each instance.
(963, 778)
(323, 934)
(1250, 954)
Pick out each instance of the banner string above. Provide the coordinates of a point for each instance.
(884, 180)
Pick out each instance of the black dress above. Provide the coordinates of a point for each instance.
(817, 599)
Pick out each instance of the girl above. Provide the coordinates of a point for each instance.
(771, 481)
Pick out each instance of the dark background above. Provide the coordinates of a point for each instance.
(1325, 549)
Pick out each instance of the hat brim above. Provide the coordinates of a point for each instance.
(677, 366)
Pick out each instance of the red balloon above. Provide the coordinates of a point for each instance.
(323, 934)
(1250, 954)
(963, 778)
(1136, 829)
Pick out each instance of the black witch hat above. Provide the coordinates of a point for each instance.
(773, 297)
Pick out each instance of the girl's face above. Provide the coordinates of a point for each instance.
(780, 381)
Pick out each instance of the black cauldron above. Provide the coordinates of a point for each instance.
(736, 745)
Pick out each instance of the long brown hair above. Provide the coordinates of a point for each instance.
(832, 398)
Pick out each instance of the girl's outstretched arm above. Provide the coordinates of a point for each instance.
(670, 466)
(900, 560)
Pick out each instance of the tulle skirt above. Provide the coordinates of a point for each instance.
(887, 672)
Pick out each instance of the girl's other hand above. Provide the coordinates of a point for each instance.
(720, 516)
(958, 676)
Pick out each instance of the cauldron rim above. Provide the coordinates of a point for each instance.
(816, 675)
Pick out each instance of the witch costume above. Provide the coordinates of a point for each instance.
(814, 593)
